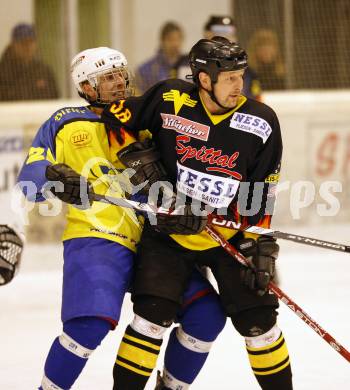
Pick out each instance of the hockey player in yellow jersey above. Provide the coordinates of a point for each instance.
(73, 147)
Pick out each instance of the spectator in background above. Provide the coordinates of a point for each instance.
(224, 26)
(163, 65)
(266, 60)
(23, 76)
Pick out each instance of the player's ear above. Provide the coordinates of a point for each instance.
(204, 80)
(88, 90)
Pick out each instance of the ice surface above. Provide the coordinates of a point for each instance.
(317, 279)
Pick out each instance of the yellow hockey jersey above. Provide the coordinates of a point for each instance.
(77, 137)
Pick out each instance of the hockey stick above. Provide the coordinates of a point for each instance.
(122, 202)
(218, 220)
(230, 249)
(233, 252)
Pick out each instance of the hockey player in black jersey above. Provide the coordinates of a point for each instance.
(222, 150)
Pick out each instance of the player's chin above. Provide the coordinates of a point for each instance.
(232, 101)
(120, 95)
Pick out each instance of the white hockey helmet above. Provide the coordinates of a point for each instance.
(91, 64)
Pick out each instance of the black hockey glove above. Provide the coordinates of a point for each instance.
(11, 247)
(263, 253)
(186, 223)
(76, 189)
(144, 158)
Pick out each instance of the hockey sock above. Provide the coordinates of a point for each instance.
(189, 344)
(137, 354)
(269, 359)
(70, 351)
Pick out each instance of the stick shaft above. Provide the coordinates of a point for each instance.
(233, 252)
(282, 296)
(220, 221)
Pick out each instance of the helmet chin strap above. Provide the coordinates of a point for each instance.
(98, 105)
(213, 97)
(91, 102)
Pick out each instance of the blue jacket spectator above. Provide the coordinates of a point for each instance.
(163, 65)
(23, 76)
(224, 26)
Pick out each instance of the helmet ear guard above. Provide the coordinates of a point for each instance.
(216, 55)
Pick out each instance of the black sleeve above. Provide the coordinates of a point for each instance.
(135, 113)
(263, 177)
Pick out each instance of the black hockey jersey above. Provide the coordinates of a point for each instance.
(211, 158)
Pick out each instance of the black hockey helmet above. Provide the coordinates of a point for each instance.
(216, 55)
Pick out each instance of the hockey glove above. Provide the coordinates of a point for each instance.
(144, 158)
(76, 189)
(263, 254)
(11, 247)
(186, 223)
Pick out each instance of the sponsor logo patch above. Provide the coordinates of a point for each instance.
(179, 100)
(251, 124)
(213, 190)
(78, 61)
(273, 178)
(81, 138)
(185, 126)
(68, 110)
(218, 161)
